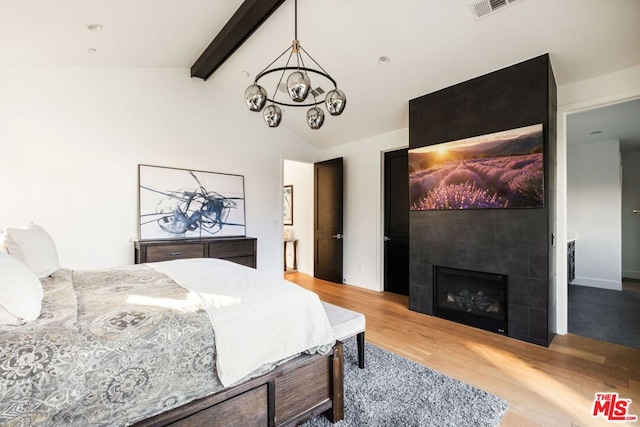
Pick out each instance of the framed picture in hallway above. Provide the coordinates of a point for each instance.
(287, 208)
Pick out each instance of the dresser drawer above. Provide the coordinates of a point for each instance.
(169, 252)
(241, 250)
(231, 248)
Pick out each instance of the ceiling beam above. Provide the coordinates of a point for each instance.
(248, 18)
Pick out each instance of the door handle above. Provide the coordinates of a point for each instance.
(338, 236)
(386, 239)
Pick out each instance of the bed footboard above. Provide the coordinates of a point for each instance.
(292, 393)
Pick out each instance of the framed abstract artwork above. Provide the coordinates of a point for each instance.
(288, 205)
(186, 204)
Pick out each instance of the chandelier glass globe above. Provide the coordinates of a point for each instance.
(335, 102)
(272, 116)
(256, 97)
(298, 86)
(315, 117)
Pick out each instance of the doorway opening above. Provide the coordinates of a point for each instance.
(312, 218)
(603, 159)
(298, 225)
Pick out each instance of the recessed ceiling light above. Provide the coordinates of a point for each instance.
(92, 50)
(244, 74)
(384, 60)
(595, 132)
(94, 27)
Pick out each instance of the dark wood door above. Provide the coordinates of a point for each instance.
(396, 222)
(327, 191)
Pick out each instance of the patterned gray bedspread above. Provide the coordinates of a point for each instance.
(111, 347)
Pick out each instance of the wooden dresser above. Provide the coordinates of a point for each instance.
(241, 250)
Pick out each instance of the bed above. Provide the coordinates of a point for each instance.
(139, 345)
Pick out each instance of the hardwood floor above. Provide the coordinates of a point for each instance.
(552, 386)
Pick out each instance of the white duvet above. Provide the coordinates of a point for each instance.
(258, 319)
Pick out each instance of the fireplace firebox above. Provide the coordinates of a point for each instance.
(473, 298)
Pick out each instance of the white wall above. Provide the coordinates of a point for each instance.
(602, 90)
(630, 221)
(300, 175)
(71, 140)
(363, 202)
(594, 204)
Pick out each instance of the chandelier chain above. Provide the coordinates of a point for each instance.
(295, 20)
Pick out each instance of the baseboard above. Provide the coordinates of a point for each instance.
(598, 283)
(361, 283)
(631, 274)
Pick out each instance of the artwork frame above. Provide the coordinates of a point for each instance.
(175, 203)
(500, 170)
(287, 207)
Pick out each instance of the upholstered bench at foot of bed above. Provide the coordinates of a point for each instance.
(347, 323)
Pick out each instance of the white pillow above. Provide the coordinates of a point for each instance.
(34, 247)
(20, 292)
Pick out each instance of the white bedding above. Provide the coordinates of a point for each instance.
(258, 319)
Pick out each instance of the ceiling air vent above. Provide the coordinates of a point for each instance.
(282, 87)
(483, 8)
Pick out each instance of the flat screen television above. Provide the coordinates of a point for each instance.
(493, 171)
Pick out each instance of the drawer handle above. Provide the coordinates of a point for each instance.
(177, 253)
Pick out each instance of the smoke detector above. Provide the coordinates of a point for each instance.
(483, 8)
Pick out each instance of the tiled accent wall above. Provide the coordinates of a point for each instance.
(502, 241)
(515, 242)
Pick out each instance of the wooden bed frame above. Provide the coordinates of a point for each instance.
(292, 393)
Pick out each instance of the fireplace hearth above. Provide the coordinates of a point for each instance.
(473, 298)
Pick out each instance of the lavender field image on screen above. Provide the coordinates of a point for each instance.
(499, 170)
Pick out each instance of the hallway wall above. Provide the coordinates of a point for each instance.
(594, 211)
(630, 221)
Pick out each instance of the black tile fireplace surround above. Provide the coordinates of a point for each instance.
(513, 242)
(473, 298)
(506, 242)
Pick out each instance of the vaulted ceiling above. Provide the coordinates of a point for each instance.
(431, 45)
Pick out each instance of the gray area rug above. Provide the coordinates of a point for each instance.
(394, 391)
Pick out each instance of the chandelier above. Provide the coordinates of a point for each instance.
(298, 86)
